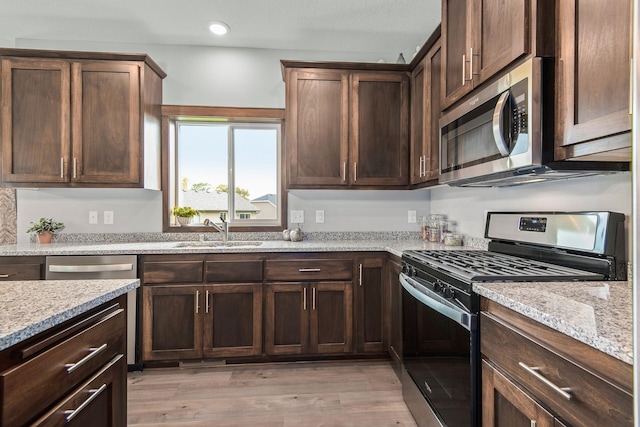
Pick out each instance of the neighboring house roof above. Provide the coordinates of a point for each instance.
(212, 201)
(272, 198)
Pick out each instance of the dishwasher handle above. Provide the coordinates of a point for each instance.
(90, 268)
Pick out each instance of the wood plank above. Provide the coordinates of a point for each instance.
(286, 394)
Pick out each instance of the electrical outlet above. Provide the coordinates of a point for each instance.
(412, 217)
(297, 217)
(93, 217)
(108, 217)
(319, 217)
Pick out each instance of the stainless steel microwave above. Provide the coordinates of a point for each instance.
(503, 133)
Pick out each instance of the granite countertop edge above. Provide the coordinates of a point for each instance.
(29, 329)
(620, 350)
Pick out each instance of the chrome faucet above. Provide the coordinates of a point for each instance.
(222, 228)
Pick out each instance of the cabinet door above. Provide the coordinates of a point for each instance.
(379, 121)
(100, 402)
(592, 87)
(316, 127)
(172, 322)
(286, 318)
(370, 305)
(456, 38)
(395, 315)
(331, 317)
(106, 122)
(233, 320)
(501, 34)
(506, 405)
(35, 119)
(418, 120)
(431, 145)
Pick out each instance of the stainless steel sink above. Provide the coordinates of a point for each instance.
(232, 244)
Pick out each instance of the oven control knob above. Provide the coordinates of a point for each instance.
(405, 268)
(449, 293)
(412, 271)
(437, 286)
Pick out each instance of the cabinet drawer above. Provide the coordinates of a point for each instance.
(311, 269)
(589, 399)
(100, 398)
(233, 271)
(45, 378)
(172, 272)
(20, 272)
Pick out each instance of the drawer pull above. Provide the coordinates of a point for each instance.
(93, 352)
(94, 393)
(309, 270)
(562, 391)
(4, 276)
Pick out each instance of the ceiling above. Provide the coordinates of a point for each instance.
(366, 26)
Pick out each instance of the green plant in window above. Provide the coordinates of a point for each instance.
(184, 211)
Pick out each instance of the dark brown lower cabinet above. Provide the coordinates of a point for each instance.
(233, 320)
(369, 297)
(395, 314)
(193, 321)
(504, 404)
(99, 402)
(172, 322)
(308, 318)
(533, 373)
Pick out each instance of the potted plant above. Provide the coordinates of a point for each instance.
(184, 214)
(44, 229)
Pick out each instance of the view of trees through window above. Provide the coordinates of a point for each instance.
(213, 157)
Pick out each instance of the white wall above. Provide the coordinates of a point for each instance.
(360, 210)
(468, 206)
(134, 210)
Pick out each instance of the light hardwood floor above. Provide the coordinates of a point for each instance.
(354, 393)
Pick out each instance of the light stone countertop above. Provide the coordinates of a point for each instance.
(598, 314)
(394, 247)
(30, 307)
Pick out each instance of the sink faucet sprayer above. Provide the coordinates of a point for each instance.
(222, 228)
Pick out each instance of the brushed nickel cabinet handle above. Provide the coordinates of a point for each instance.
(93, 352)
(94, 393)
(471, 64)
(355, 171)
(464, 63)
(206, 304)
(61, 167)
(360, 274)
(309, 270)
(197, 301)
(344, 171)
(533, 423)
(75, 168)
(304, 299)
(534, 370)
(4, 276)
(313, 298)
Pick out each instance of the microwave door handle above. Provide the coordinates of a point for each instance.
(498, 130)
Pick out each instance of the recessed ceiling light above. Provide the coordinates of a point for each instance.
(219, 28)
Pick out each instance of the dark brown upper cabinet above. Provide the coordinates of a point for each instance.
(482, 37)
(593, 72)
(347, 126)
(425, 114)
(72, 119)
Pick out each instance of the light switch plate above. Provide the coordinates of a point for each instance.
(93, 217)
(296, 217)
(319, 216)
(108, 217)
(412, 217)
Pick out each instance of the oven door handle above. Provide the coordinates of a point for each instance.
(436, 302)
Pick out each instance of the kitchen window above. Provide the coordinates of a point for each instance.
(224, 166)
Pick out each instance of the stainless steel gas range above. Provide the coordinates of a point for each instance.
(441, 342)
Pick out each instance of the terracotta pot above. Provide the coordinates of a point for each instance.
(45, 237)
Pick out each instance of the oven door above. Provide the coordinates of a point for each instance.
(440, 358)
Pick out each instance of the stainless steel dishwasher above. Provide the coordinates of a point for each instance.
(100, 267)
